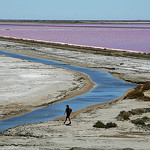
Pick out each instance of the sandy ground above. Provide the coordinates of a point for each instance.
(81, 133)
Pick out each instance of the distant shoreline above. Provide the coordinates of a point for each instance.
(76, 21)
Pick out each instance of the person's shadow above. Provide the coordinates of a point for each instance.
(68, 124)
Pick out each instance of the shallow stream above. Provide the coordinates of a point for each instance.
(107, 89)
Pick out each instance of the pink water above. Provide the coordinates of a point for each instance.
(134, 37)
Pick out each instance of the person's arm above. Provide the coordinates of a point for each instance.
(65, 112)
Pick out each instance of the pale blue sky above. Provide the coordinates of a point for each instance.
(75, 9)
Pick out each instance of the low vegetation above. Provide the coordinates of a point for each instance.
(146, 87)
(141, 121)
(124, 115)
(135, 94)
(100, 124)
(138, 92)
(138, 121)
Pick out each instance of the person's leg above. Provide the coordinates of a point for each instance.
(65, 120)
(69, 120)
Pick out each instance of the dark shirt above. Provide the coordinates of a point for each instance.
(68, 111)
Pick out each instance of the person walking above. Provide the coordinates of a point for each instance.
(67, 112)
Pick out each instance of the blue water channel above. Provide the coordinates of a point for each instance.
(107, 89)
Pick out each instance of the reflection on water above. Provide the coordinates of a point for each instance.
(107, 89)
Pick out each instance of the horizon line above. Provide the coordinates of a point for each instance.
(74, 20)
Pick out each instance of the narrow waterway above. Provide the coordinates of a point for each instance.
(107, 89)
